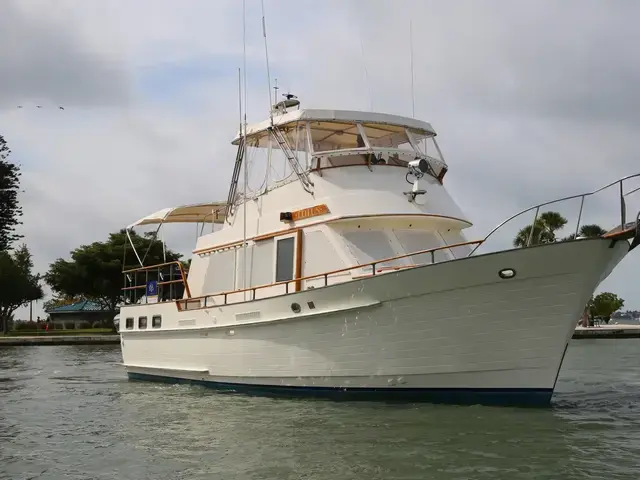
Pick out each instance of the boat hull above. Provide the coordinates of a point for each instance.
(453, 332)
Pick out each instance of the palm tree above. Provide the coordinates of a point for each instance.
(592, 230)
(589, 231)
(544, 230)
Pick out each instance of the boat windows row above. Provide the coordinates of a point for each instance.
(156, 322)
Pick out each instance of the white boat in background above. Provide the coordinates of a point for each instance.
(351, 278)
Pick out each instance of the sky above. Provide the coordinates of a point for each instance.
(531, 100)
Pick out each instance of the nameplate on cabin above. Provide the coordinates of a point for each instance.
(309, 212)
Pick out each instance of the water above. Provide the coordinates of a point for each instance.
(70, 413)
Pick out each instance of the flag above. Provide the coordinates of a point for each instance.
(152, 288)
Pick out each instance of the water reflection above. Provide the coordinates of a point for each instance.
(69, 412)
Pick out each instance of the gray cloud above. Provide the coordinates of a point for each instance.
(531, 100)
(46, 61)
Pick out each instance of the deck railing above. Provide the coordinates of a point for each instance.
(206, 301)
(170, 278)
(619, 184)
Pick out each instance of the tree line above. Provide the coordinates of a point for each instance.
(18, 284)
(94, 271)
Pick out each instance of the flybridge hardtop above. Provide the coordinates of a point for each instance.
(334, 122)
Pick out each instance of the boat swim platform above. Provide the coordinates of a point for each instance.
(37, 340)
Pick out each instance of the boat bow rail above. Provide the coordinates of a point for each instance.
(625, 230)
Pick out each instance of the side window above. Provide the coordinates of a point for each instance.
(129, 324)
(142, 322)
(156, 321)
(284, 259)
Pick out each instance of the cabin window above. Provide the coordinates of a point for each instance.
(156, 321)
(220, 272)
(142, 322)
(285, 250)
(419, 240)
(260, 264)
(455, 237)
(129, 323)
(372, 246)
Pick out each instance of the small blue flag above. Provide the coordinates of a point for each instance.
(152, 288)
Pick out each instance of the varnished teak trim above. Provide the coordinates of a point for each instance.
(298, 272)
(325, 274)
(288, 231)
(309, 212)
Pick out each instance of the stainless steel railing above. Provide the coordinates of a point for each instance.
(619, 183)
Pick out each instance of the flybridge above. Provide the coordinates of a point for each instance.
(311, 140)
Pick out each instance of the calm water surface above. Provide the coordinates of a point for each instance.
(70, 413)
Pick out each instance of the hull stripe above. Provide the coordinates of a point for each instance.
(526, 397)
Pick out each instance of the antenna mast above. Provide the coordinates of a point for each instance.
(413, 97)
(266, 54)
(244, 163)
(275, 90)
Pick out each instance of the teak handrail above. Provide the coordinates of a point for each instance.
(149, 267)
(327, 274)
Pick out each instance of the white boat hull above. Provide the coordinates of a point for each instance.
(453, 332)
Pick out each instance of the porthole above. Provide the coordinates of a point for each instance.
(311, 305)
(295, 308)
(507, 273)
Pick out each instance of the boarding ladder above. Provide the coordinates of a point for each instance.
(307, 184)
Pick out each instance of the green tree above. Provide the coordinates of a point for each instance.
(10, 210)
(592, 230)
(18, 284)
(603, 305)
(94, 271)
(544, 230)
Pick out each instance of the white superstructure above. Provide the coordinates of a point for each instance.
(333, 299)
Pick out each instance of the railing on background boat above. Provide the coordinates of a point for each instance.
(169, 279)
(206, 301)
(623, 214)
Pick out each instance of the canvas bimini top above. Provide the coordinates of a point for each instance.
(196, 213)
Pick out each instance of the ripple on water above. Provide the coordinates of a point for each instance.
(70, 413)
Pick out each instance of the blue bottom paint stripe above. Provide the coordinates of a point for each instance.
(525, 397)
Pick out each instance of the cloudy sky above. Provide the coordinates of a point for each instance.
(532, 100)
